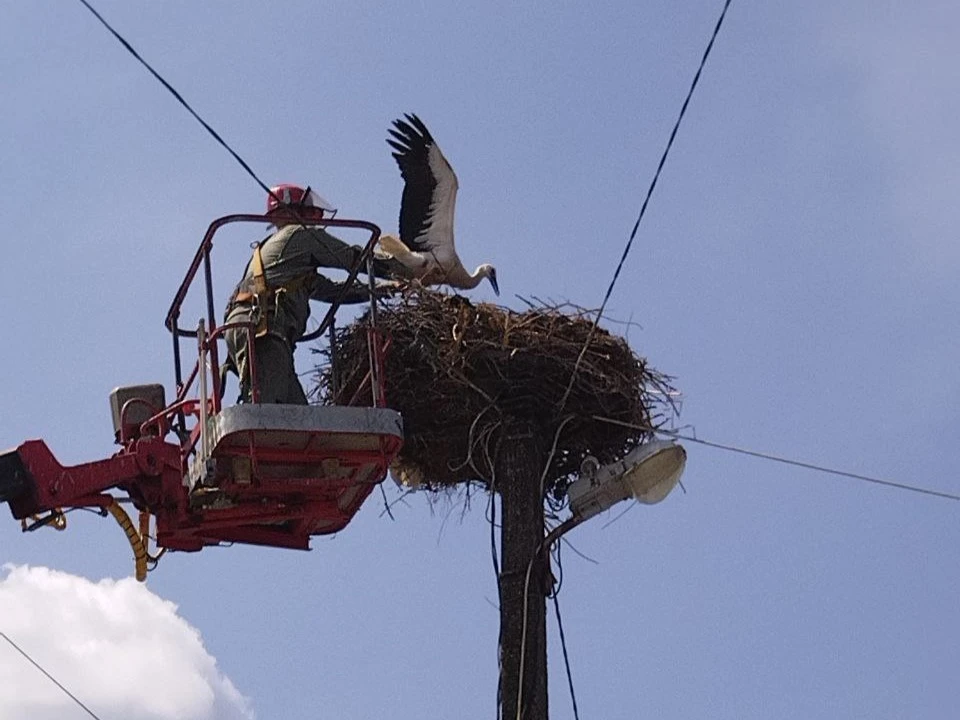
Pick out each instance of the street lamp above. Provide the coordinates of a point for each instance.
(647, 474)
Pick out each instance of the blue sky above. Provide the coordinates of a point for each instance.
(796, 272)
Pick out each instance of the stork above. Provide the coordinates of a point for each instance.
(425, 246)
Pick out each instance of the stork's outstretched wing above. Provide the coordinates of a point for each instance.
(429, 191)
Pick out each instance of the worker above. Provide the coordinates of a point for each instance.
(277, 286)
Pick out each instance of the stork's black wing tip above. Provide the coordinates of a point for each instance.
(411, 127)
(401, 122)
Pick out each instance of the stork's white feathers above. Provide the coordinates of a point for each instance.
(425, 245)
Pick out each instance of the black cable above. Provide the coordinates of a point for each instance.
(360, 260)
(496, 572)
(643, 208)
(606, 298)
(566, 658)
(49, 676)
(179, 97)
(784, 460)
(823, 469)
(558, 559)
(596, 322)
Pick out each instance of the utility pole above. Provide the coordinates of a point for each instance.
(519, 466)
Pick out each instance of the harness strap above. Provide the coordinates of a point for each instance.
(259, 279)
(290, 286)
(260, 289)
(263, 295)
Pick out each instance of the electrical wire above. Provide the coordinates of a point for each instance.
(784, 460)
(643, 207)
(173, 91)
(492, 517)
(555, 595)
(216, 136)
(556, 552)
(179, 97)
(50, 677)
(566, 658)
(596, 322)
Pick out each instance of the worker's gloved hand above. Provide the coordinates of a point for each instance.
(388, 289)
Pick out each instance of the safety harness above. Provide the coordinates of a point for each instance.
(260, 300)
(263, 297)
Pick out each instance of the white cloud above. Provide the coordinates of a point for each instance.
(123, 651)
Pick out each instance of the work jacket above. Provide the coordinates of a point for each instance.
(290, 258)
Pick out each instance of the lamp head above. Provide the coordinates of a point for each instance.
(647, 473)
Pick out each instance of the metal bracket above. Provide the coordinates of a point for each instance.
(54, 517)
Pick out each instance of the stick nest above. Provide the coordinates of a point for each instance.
(465, 376)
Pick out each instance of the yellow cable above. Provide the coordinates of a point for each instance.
(145, 531)
(136, 542)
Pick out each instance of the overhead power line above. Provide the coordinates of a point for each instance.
(216, 136)
(50, 677)
(785, 460)
(586, 346)
(643, 207)
(178, 96)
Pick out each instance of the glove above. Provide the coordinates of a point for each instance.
(387, 289)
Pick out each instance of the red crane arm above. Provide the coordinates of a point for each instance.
(33, 481)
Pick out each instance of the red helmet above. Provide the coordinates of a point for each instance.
(288, 195)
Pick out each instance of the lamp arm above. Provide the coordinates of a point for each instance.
(560, 530)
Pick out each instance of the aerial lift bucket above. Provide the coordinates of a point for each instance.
(273, 475)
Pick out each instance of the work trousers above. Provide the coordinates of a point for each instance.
(276, 376)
